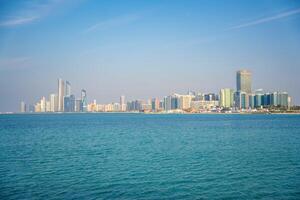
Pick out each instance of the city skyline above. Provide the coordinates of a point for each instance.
(145, 49)
(238, 100)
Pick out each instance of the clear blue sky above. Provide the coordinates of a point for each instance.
(146, 48)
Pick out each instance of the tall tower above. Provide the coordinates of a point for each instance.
(243, 81)
(83, 106)
(43, 104)
(53, 103)
(122, 103)
(61, 94)
(23, 107)
(68, 88)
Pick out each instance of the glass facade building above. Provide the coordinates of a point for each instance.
(243, 81)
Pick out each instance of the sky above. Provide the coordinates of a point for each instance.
(143, 49)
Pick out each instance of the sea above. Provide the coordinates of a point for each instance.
(149, 156)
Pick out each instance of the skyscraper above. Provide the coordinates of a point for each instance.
(244, 100)
(184, 102)
(258, 98)
(283, 99)
(167, 103)
(241, 100)
(61, 94)
(43, 104)
(68, 89)
(48, 106)
(175, 101)
(69, 103)
(122, 103)
(274, 99)
(23, 107)
(251, 101)
(77, 105)
(243, 81)
(289, 102)
(30, 108)
(226, 98)
(37, 107)
(83, 107)
(155, 104)
(53, 103)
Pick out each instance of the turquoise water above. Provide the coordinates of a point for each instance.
(138, 156)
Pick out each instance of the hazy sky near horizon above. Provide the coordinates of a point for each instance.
(145, 49)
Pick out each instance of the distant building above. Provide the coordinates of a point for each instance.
(146, 106)
(69, 103)
(48, 106)
(274, 99)
(53, 103)
(68, 89)
(136, 105)
(202, 105)
(122, 103)
(174, 102)
(77, 105)
(251, 101)
(23, 107)
(241, 100)
(43, 104)
(289, 102)
(259, 98)
(37, 107)
(184, 102)
(83, 106)
(115, 107)
(244, 81)
(244, 100)
(31, 108)
(61, 94)
(155, 104)
(211, 97)
(92, 107)
(199, 97)
(226, 98)
(283, 99)
(167, 103)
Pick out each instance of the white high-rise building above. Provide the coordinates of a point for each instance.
(122, 103)
(37, 107)
(61, 94)
(48, 106)
(53, 103)
(185, 102)
(43, 104)
(226, 98)
(289, 102)
(23, 107)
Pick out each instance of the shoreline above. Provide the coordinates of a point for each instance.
(151, 113)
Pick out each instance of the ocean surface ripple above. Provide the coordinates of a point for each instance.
(140, 156)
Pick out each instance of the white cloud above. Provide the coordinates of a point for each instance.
(112, 23)
(28, 13)
(18, 21)
(267, 19)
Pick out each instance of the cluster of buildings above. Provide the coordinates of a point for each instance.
(243, 99)
(62, 101)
